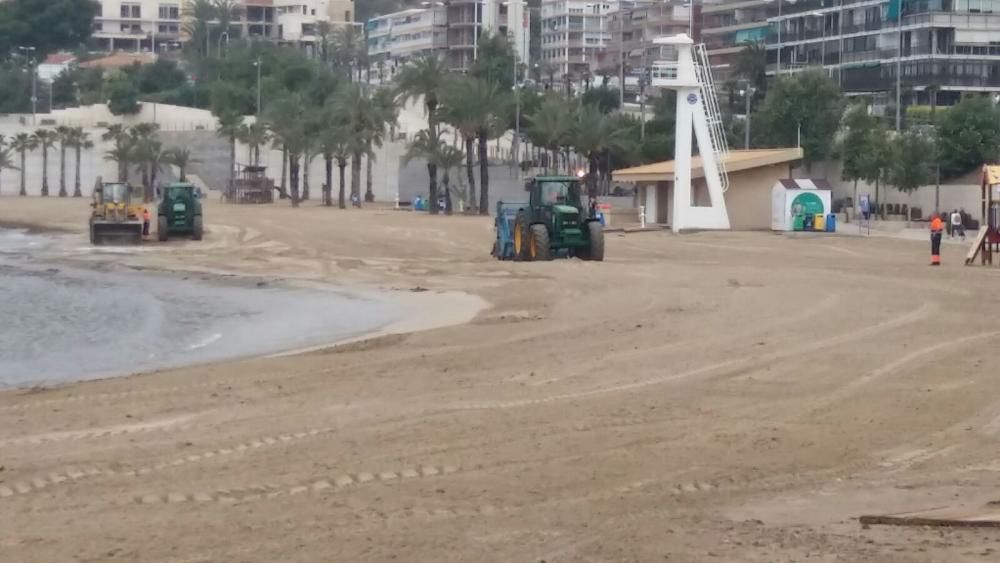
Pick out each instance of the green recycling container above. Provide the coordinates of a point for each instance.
(799, 223)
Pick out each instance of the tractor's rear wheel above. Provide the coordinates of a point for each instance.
(541, 248)
(521, 240)
(199, 228)
(596, 250)
(162, 228)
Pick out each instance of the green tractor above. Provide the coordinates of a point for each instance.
(180, 212)
(556, 222)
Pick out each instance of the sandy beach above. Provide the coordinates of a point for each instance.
(737, 397)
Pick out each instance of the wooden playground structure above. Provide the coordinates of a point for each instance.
(987, 241)
(250, 185)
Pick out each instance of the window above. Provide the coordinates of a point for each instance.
(167, 28)
(170, 12)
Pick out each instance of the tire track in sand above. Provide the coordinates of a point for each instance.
(70, 475)
(725, 368)
(266, 491)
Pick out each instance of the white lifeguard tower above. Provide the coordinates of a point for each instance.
(698, 110)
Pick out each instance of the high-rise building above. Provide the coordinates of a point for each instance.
(153, 25)
(633, 27)
(575, 37)
(395, 38)
(941, 48)
(469, 20)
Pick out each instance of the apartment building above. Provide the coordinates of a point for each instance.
(940, 47)
(154, 25)
(634, 26)
(575, 37)
(468, 20)
(728, 25)
(395, 38)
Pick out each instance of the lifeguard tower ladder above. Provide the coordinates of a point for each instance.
(698, 111)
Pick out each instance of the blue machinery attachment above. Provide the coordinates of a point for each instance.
(503, 247)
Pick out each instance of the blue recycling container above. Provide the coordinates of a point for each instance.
(831, 223)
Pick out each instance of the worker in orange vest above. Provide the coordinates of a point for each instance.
(145, 222)
(937, 228)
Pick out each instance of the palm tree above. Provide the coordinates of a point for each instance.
(199, 15)
(751, 66)
(149, 160)
(227, 12)
(450, 158)
(78, 140)
(6, 162)
(146, 150)
(386, 120)
(333, 143)
(229, 126)
(287, 119)
(480, 107)
(594, 136)
(323, 32)
(465, 117)
(63, 135)
(362, 117)
(550, 126)
(254, 135)
(122, 149)
(23, 143)
(427, 145)
(424, 78)
(45, 138)
(181, 158)
(349, 50)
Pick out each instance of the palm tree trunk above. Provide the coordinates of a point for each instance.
(469, 150)
(151, 190)
(432, 174)
(369, 192)
(232, 158)
(76, 174)
(62, 170)
(356, 177)
(305, 177)
(592, 176)
(341, 202)
(293, 177)
(45, 170)
(328, 186)
(24, 190)
(446, 181)
(484, 176)
(284, 170)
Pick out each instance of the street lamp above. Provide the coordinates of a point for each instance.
(258, 64)
(221, 35)
(34, 81)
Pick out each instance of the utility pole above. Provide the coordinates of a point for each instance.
(621, 43)
(748, 93)
(899, 76)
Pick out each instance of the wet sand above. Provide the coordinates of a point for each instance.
(711, 397)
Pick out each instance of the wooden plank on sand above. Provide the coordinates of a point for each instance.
(982, 516)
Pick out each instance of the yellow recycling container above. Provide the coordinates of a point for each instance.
(819, 222)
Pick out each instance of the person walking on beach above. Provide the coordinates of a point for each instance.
(937, 226)
(145, 222)
(957, 229)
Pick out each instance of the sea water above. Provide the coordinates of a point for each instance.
(59, 324)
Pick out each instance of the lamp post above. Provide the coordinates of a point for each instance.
(221, 35)
(258, 64)
(621, 54)
(34, 81)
